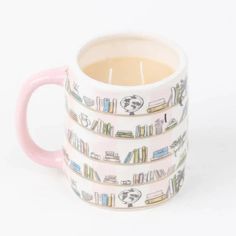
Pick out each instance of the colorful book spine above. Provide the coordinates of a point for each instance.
(97, 176)
(98, 103)
(74, 166)
(90, 173)
(85, 171)
(144, 153)
(137, 131)
(128, 158)
(96, 197)
(106, 105)
(109, 129)
(135, 179)
(146, 131)
(150, 130)
(141, 178)
(142, 131)
(104, 128)
(104, 199)
(94, 125)
(160, 153)
(136, 155)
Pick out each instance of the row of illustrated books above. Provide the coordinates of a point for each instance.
(138, 155)
(90, 173)
(144, 131)
(106, 105)
(106, 128)
(102, 127)
(77, 143)
(140, 178)
(104, 199)
(152, 176)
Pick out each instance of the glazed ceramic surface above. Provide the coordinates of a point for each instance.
(125, 146)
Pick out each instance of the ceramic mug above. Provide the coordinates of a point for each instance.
(125, 145)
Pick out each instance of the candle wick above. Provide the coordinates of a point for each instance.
(110, 76)
(141, 71)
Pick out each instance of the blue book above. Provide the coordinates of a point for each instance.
(128, 158)
(74, 166)
(106, 104)
(104, 199)
(160, 153)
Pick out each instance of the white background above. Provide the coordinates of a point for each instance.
(34, 35)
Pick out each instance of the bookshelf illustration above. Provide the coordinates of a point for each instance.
(94, 155)
(152, 176)
(182, 158)
(77, 143)
(110, 179)
(178, 143)
(74, 166)
(112, 156)
(175, 183)
(86, 196)
(102, 127)
(171, 124)
(106, 105)
(160, 153)
(75, 91)
(104, 199)
(89, 102)
(84, 120)
(184, 112)
(125, 182)
(75, 187)
(157, 105)
(144, 131)
(155, 197)
(73, 115)
(138, 155)
(158, 126)
(178, 93)
(91, 174)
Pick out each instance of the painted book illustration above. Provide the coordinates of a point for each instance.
(102, 127)
(124, 134)
(160, 153)
(138, 155)
(171, 124)
(106, 105)
(90, 173)
(105, 199)
(157, 105)
(111, 156)
(155, 197)
(143, 131)
(77, 143)
(110, 179)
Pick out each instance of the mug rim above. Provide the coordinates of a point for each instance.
(181, 67)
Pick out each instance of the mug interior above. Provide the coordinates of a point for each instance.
(128, 46)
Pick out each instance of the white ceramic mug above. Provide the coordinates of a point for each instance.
(125, 146)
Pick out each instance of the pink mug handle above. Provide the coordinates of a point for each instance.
(36, 153)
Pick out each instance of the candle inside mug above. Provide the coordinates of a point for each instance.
(128, 60)
(128, 70)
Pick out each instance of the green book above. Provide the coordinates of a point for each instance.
(136, 155)
(144, 153)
